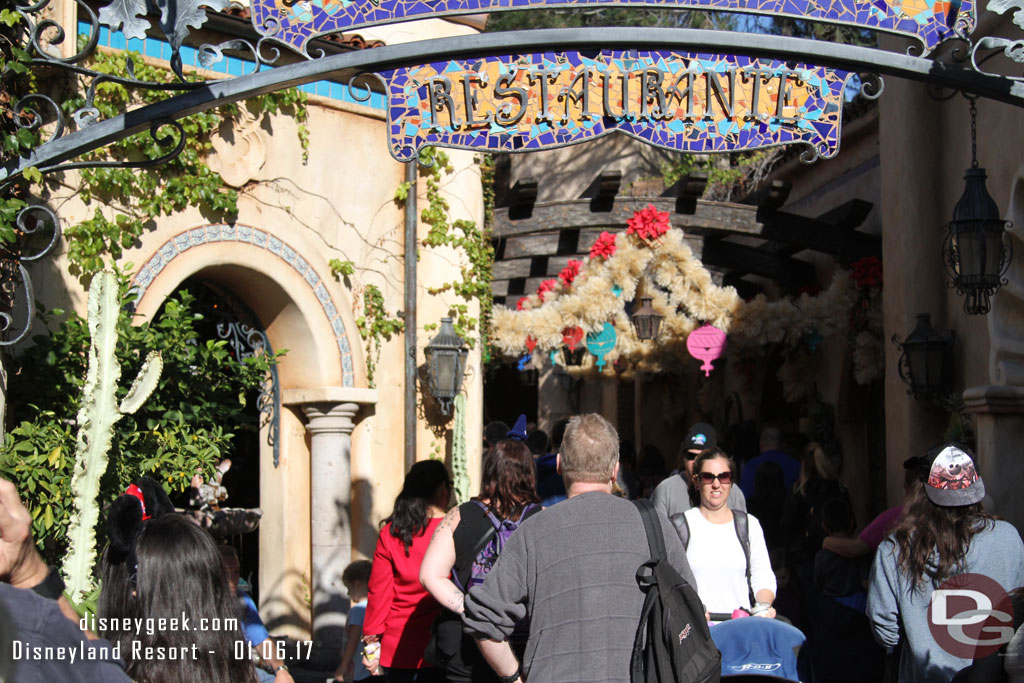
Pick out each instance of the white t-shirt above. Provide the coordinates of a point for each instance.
(719, 565)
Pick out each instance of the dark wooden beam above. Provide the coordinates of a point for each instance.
(800, 232)
(746, 289)
(575, 213)
(522, 197)
(687, 190)
(603, 190)
(744, 259)
(848, 216)
(772, 196)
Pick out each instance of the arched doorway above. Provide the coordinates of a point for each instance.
(220, 316)
(304, 476)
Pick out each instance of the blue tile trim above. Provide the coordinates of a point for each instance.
(229, 66)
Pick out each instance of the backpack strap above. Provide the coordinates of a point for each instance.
(480, 544)
(655, 540)
(742, 524)
(682, 528)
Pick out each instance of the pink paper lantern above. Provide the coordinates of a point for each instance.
(706, 343)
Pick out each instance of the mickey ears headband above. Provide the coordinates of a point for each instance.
(142, 500)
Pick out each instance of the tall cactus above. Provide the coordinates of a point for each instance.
(97, 416)
(460, 459)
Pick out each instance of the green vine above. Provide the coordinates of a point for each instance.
(130, 201)
(16, 137)
(340, 269)
(376, 326)
(462, 235)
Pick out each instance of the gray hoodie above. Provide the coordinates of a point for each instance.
(897, 610)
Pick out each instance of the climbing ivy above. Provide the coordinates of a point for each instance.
(376, 326)
(464, 236)
(16, 135)
(128, 201)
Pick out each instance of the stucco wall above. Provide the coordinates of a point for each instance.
(337, 205)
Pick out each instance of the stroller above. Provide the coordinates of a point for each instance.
(756, 649)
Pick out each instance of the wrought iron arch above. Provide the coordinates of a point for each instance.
(962, 70)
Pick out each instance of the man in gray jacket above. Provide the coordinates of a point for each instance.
(672, 495)
(572, 570)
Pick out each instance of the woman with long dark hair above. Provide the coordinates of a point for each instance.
(508, 495)
(399, 613)
(170, 579)
(943, 536)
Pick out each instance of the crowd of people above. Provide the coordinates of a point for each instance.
(536, 577)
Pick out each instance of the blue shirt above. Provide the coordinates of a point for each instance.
(252, 625)
(356, 615)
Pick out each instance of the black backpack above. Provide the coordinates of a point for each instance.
(673, 643)
(742, 525)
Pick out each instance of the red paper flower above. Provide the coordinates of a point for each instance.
(544, 288)
(648, 224)
(867, 272)
(604, 247)
(522, 300)
(570, 272)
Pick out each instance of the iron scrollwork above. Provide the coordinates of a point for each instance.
(247, 341)
(38, 232)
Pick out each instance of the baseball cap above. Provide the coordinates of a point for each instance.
(953, 479)
(700, 437)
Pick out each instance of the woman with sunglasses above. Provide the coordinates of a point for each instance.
(714, 549)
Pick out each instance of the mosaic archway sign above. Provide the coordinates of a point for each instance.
(296, 22)
(679, 101)
(692, 102)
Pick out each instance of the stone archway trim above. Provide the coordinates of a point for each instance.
(221, 232)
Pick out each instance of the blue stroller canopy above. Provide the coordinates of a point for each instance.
(755, 646)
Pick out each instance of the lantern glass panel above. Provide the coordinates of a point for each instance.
(935, 361)
(993, 248)
(917, 367)
(444, 372)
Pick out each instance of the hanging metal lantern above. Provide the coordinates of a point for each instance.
(446, 362)
(646, 321)
(926, 364)
(977, 250)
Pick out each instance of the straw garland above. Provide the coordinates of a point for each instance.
(593, 292)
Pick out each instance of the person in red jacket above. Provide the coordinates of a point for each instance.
(399, 612)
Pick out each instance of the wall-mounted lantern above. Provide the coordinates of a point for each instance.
(446, 363)
(977, 250)
(926, 362)
(646, 321)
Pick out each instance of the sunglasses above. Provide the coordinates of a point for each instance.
(723, 477)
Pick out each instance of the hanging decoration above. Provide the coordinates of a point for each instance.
(706, 343)
(683, 292)
(600, 343)
(571, 336)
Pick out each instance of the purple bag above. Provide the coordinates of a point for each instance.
(489, 547)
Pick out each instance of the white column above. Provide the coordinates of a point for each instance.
(330, 429)
(999, 430)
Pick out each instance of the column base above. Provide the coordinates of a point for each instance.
(999, 425)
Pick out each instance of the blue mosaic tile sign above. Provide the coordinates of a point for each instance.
(296, 22)
(679, 101)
